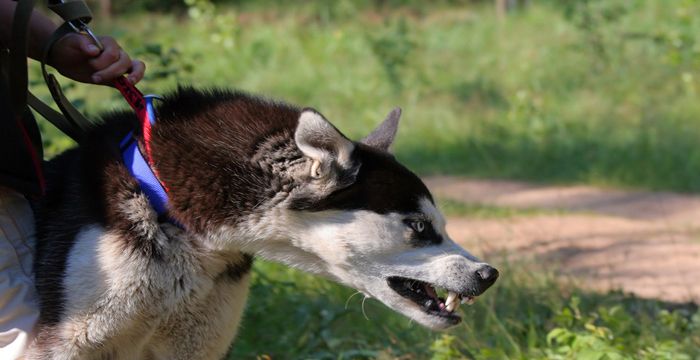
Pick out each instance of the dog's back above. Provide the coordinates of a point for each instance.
(111, 277)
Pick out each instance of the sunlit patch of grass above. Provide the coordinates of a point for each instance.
(452, 207)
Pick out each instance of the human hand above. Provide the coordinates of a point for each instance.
(77, 57)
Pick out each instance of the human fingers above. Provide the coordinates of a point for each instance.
(138, 68)
(110, 54)
(113, 71)
(71, 48)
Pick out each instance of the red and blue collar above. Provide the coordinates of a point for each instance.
(141, 169)
(140, 166)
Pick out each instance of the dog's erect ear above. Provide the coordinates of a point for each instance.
(383, 136)
(320, 141)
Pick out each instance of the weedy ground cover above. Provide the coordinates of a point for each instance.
(526, 315)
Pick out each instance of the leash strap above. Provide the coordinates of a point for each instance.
(74, 14)
(54, 117)
(17, 82)
(77, 15)
(71, 10)
(141, 105)
(18, 75)
(71, 122)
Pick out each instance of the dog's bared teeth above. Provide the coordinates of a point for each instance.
(452, 301)
(451, 296)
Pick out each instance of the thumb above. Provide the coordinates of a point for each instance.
(86, 45)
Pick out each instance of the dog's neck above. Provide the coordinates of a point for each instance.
(234, 186)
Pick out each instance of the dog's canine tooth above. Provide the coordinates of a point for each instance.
(450, 297)
(452, 301)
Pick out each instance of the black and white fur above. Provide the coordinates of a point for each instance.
(247, 178)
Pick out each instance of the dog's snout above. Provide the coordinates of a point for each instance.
(486, 275)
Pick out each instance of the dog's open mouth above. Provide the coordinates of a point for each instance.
(428, 298)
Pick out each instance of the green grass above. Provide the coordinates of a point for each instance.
(483, 211)
(540, 96)
(526, 315)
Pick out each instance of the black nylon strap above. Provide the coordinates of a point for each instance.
(17, 76)
(72, 122)
(72, 10)
(73, 117)
(54, 117)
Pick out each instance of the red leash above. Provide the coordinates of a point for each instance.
(140, 165)
(144, 111)
(132, 95)
(136, 100)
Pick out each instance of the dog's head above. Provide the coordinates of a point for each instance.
(364, 220)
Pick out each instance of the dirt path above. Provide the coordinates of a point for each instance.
(644, 243)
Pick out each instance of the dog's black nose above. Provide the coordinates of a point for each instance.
(486, 275)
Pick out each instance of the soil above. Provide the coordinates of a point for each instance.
(645, 243)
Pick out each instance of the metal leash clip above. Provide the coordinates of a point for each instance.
(81, 26)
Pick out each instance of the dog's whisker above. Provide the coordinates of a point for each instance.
(363, 308)
(347, 302)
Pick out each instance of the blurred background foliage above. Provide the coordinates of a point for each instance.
(569, 91)
(593, 91)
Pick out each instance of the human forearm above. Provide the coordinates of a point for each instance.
(73, 55)
(40, 28)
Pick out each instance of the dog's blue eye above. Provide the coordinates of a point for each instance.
(418, 225)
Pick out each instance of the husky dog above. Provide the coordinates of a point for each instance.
(246, 178)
